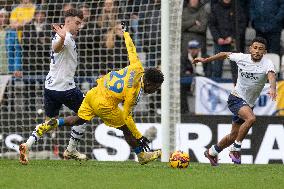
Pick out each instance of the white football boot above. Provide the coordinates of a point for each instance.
(74, 155)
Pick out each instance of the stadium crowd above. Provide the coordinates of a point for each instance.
(25, 34)
(26, 30)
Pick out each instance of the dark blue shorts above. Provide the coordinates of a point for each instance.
(53, 101)
(234, 104)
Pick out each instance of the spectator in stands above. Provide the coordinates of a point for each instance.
(115, 49)
(193, 51)
(6, 4)
(129, 10)
(148, 39)
(267, 18)
(41, 4)
(188, 70)
(87, 46)
(106, 21)
(150, 13)
(226, 28)
(56, 9)
(108, 16)
(35, 44)
(36, 54)
(3, 54)
(20, 16)
(194, 25)
(65, 8)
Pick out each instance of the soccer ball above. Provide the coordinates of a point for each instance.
(179, 159)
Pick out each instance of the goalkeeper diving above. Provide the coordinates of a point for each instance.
(125, 85)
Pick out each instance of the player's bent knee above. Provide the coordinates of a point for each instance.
(123, 128)
(80, 121)
(75, 120)
(251, 119)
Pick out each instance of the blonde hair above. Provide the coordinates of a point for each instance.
(109, 38)
(107, 19)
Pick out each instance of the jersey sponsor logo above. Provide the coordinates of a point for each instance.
(248, 75)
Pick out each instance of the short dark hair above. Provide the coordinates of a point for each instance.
(73, 13)
(259, 40)
(153, 75)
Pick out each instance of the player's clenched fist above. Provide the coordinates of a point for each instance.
(124, 26)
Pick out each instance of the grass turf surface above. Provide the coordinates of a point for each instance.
(93, 174)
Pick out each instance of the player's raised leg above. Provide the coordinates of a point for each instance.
(246, 114)
(35, 136)
(242, 122)
(77, 133)
(212, 153)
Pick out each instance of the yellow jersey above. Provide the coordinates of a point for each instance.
(125, 85)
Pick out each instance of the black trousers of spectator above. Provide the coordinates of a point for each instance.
(184, 91)
(273, 40)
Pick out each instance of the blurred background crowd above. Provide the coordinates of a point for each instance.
(208, 27)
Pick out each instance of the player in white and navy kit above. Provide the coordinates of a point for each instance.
(60, 88)
(253, 72)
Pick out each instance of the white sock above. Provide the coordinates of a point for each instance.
(30, 142)
(32, 139)
(236, 146)
(238, 143)
(212, 151)
(77, 133)
(72, 145)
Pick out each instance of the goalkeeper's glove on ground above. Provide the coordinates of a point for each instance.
(144, 143)
(124, 26)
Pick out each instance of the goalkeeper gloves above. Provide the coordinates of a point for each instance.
(143, 143)
(124, 26)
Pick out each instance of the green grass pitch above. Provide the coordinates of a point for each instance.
(61, 174)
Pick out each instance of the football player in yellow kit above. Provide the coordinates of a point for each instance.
(125, 85)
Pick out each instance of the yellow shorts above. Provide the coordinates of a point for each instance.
(96, 104)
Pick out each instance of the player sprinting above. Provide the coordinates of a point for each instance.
(59, 84)
(125, 85)
(253, 72)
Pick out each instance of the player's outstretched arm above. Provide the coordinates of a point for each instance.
(143, 141)
(58, 45)
(132, 126)
(131, 49)
(219, 56)
(272, 81)
(127, 108)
